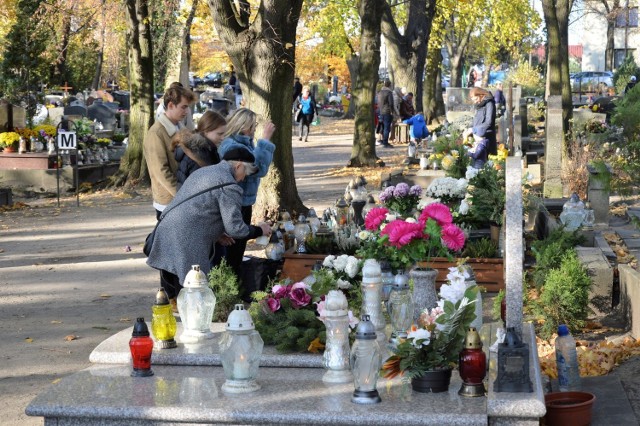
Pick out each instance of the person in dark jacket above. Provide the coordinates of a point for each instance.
(478, 152)
(484, 121)
(306, 106)
(297, 89)
(631, 84)
(385, 106)
(187, 234)
(500, 100)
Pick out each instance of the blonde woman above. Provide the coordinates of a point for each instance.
(241, 128)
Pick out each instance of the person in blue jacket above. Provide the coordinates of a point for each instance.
(479, 151)
(418, 128)
(241, 128)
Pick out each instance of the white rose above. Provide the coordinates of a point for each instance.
(353, 267)
(364, 235)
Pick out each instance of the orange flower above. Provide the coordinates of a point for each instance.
(391, 368)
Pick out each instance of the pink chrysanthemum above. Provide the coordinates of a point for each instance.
(453, 237)
(402, 233)
(375, 217)
(438, 212)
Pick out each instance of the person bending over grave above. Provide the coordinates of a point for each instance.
(241, 129)
(194, 221)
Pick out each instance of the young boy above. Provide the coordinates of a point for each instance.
(478, 152)
(418, 127)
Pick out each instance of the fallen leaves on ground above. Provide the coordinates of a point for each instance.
(56, 322)
(620, 249)
(15, 206)
(595, 359)
(70, 337)
(28, 340)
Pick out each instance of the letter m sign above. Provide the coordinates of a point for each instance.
(66, 140)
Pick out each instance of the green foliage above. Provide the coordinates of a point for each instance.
(483, 247)
(224, 283)
(624, 72)
(550, 251)
(497, 305)
(565, 296)
(487, 195)
(626, 162)
(529, 78)
(288, 329)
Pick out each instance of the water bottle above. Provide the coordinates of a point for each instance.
(567, 361)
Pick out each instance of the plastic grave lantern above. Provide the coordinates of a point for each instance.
(196, 303)
(163, 323)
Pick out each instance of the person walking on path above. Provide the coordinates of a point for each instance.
(385, 105)
(484, 120)
(241, 129)
(306, 107)
(157, 148)
(297, 89)
(186, 235)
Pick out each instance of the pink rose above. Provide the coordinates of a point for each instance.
(402, 233)
(299, 296)
(273, 304)
(375, 217)
(279, 291)
(453, 237)
(438, 212)
(322, 313)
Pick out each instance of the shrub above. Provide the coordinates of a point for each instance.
(483, 247)
(565, 296)
(224, 283)
(529, 78)
(549, 252)
(624, 72)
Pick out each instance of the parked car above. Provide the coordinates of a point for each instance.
(194, 80)
(591, 81)
(214, 79)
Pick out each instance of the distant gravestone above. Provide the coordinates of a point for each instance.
(458, 103)
(103, 114)
(553, 149)
(112, 105)
(4, 116)
(19, 117)
(77, 110)
(77, 102)
(581, 116)
(55, 115)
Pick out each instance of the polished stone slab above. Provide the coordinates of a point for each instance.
(115, 350)
(107, 395)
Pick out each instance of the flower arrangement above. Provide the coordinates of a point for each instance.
(447, 189)
(103, 141)
(25, 133)
(449, 155)
(401, 198)
(339, 273)
(436, 341)
(595, 126)
(44, 131)
(9, 139)
(405, 242)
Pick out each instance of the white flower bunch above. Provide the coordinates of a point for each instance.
(471, 172)
(455, 287)
(464, 207)
(447, 187)
(343, 263)
(419, 337)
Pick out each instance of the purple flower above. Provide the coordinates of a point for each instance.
(401, 190)
(415, 190)
(299, 296)
(386, 194)
(43, 133)
(279, 291)
(273, 304)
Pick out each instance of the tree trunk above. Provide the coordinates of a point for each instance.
(132, 165)
(457, 49)
(59, 69)
(363, 152)
(352, 65)
(432, 86)
(608, 52)
(408, 51)
(263, 56)
(179, 48)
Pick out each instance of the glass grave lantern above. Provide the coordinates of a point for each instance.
(572, 213)
(336, 353)
(275, 249)
(196, 303)
(400, 309)
(240, 351)
(472, 365)
(387, 281)
(141, 347)
(342, 212)
(314, 221)
(163, 323)
(365, 362)
(302, 231)
(371, 203)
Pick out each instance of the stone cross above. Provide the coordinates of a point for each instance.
(553, 149)
(514, 247)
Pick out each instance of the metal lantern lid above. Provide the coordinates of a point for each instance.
(342, 203)
(312, 213)
(366, 330)
(302, 219)
(195, 278)
(335, 304)
(239, 319)
(140, 328)
(161, 298)
(401, 282)
(274, 238)
(472, 339)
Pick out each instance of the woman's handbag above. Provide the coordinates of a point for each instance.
(148, 242)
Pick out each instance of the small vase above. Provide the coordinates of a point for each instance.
(432, 381)
(424, 290)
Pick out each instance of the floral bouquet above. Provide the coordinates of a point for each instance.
(448, 190)
(436, 341)
(595, 126)
(406, 242)
(401, 198)
(9, 139)
(339, 273)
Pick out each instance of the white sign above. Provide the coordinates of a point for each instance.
(66, 140)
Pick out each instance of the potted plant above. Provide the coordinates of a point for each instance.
(9, 141)
(431, 349)
(487, 195)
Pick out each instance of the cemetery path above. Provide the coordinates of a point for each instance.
(72, 276)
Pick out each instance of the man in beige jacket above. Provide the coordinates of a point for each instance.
(161, 162)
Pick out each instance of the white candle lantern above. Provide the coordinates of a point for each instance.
(240, 351)
(400, 308)
(336, 353)
(365, 363)
(196, 303)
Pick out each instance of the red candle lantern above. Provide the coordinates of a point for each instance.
(141, 346)
(472, 365)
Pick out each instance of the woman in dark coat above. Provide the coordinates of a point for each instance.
(484, 121)
(186, 235)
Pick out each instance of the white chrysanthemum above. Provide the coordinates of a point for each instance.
(464, 207)
(353, 267)
(453, 291)
(420, 334)
(364, 235)
(390, 217)
(340, 263)
(471, 172)
(343, 284)
(328, 261)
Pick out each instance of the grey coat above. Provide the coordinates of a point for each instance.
(186, 235)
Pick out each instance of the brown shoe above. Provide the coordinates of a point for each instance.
(174, 305)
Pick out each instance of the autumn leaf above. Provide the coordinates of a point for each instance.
(56, 322)
(28, 340)
(105, 296)
(70, 337)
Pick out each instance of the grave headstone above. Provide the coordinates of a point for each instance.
(112, 105)
(598, 195)
(581, 116)
(514, 245)
(19, 117)
(55, 115)
(4, 116)
(524, 118)
(80, 96)
(553, 149)
(76, 110)
(458, 103)
(103, 114)
(517, 132)
(77, 102)
(53, 99)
